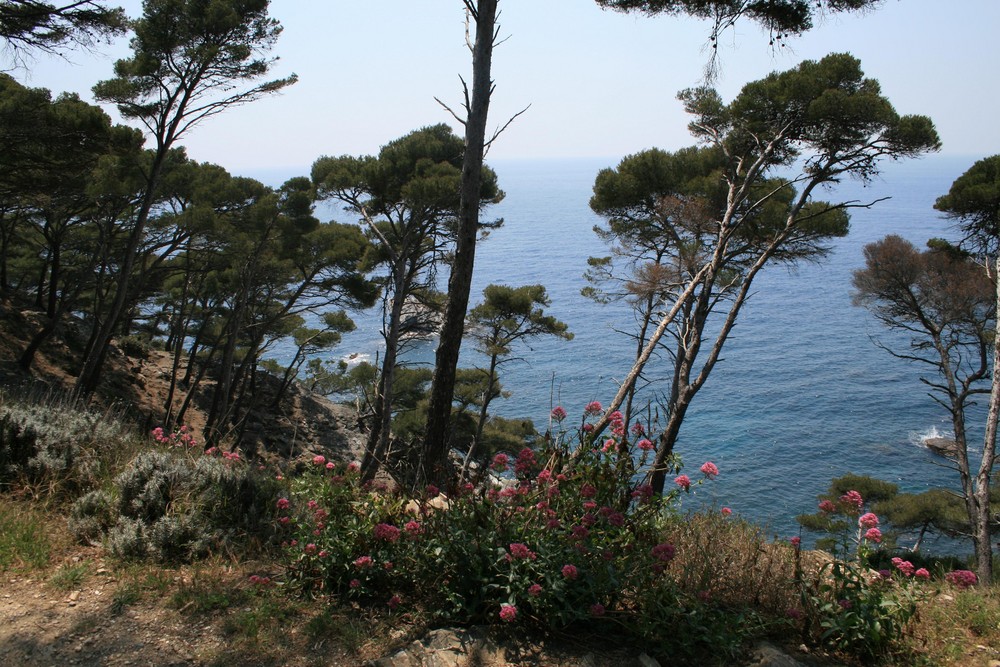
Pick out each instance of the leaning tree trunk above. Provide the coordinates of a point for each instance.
(434, 461)
(984, 555)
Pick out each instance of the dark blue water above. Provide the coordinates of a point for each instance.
(802, 394)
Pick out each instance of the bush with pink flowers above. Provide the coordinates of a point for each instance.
(565, 534)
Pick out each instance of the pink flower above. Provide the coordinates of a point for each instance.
(329, 465)
(413, 528)
(310, 548)
(519, 550)
(593, 409)
(638, 429)
(645, 444)
(283, 503)
(961, 578)
(796, 542)
(827, 506)
(394, 601)
(355, 583)
(663, 552)
(353, 466)
(868, 520)
(853, 499)
(569, 571)
(873, 534)
(534, 590)
(597, 609)
(544, 476)
(386, 532)
(588, 428)
(500, 462)
(558, 413)
(588, 491)
(683, 481)
(609, 446)
(709, 469)
(904, 566)
(319, 459)
(726, 511)
(644, 492)
(922, 573)
(508, 612)
(616, 417)
(363, 562)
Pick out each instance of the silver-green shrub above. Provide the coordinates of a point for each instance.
(177, 505)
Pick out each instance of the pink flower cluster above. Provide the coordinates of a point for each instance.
(521, 551)
(386, 532)
(869, 520)
(558, 413)
(500, 462)
(709, 470)
(570, 571)
(873, 535)
(961, 578)
(593, 409)
(683, 481)
(853, 500)
(179, 438)
(508, 613)
(904, 566)
(663, 552)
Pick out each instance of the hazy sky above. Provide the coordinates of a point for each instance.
(600, 84)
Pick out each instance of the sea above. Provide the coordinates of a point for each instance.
(803, 393)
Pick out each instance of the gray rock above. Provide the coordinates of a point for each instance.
(445, 648)
(768, 655)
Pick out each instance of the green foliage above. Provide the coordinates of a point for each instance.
(23, 540)
(839, 511)
(850, 609)
(560, 540)
(57, 447)
(974, 201)
(780, 17)
(170, 506)
(31, 25)
(69, 576)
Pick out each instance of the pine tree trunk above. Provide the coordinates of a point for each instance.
(434, 464)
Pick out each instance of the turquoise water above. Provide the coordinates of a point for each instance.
(802, 394)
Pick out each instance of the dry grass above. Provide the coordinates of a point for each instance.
(733, 563)
(957, 628)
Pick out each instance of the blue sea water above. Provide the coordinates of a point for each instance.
(802, 393)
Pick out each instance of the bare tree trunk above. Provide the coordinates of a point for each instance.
(984, 548)
(378, 439)
(434, 462)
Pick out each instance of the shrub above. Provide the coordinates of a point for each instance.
(173, 505)
(560, 536)
(56, 446)
(848, 606)
(91, 516)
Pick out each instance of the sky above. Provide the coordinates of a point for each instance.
(595, 83)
